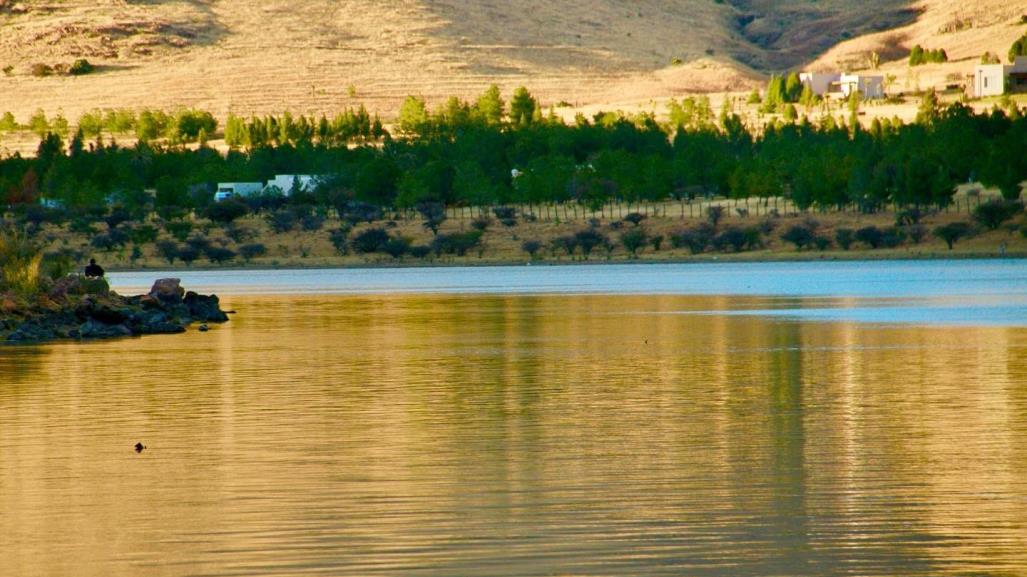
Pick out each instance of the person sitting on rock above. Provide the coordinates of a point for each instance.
(94, 270)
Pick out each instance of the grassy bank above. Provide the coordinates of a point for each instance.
(651, 233)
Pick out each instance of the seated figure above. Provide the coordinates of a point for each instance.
(94, 270)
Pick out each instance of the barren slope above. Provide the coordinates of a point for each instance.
(256, 56)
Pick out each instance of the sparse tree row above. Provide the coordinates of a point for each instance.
(489, 153)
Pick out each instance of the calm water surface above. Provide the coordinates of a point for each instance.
(749, 420)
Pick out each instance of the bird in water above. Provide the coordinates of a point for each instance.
(140, 447)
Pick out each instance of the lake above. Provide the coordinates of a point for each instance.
(724, 419)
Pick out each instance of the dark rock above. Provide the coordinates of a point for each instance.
(66, 315)
(205, 308)
(204, 328)
(31, 332)
(167, 290)
(93, 329)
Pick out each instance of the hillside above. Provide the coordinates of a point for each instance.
(258, 56)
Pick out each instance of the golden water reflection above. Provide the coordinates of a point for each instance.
(517, 435)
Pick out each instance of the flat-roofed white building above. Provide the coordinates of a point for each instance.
(997, 79)
(842, 85)
(819, 82)
(870, 87)
(286, 182)
(228, 190)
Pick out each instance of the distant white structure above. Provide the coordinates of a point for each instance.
(228, 190)
(997, 79)
(285, 183)
(819, 82)
(842, 85)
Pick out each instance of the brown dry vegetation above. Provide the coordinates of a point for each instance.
(504, 244)
(264, 56)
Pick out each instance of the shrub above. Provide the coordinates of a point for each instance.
(179, 229)
(892, 237)
(226, 211)
(733, 238)
(396, 247)
(41, 70)
(58, 264)
(420, 251)
(952, 232)
(992, 214)
(312, 222)
(566, 243)
(481, 223)
(634, 240)
(634, 218)
(217, 254)
(168, 250)
(531, 247)
(844, 237)
(870, 236)
(799, 235)
(80, 67)
(188, 254)
(36, 215)
(696, 239)
(251, 251)
(340, 239)
(283, 220)
(656, 241)
(507, 215)
(199, 242)
(239, 233)
(434, 214)
(370, 240)
(916, 232)
(822, 242)
(356, 211)
(20, 260)
(456, 243)
(588, 240)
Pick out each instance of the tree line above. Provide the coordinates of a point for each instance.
(488, 153)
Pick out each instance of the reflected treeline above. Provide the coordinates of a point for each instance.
(613, 434)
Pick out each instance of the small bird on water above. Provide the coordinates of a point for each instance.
(140, 447)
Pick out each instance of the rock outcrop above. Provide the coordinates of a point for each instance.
(80, 308)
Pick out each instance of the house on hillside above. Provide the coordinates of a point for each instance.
(998, 79)
(228, 190)
(285, 183)
(841, 85)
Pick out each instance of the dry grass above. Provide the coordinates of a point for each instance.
(504, 245)
(262, 56)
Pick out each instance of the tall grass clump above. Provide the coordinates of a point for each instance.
(19, 264)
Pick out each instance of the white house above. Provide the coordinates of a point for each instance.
(870, 87)
(819, 82)
(285, 182)
(997, 79)
(842, 85)
(228, 190)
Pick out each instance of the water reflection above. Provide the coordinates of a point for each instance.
(519, 435)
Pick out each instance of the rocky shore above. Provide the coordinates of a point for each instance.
(78, 308)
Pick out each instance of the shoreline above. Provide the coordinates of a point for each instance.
(740, 258)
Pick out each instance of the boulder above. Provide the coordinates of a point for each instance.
(168, 290)
(94, 329)
(205, 308)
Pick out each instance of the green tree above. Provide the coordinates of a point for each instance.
(490, 107)
(522, 107)
(952, 232)
(413, 115)
(1019, 48)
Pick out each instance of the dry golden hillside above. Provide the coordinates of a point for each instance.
(257, 56)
